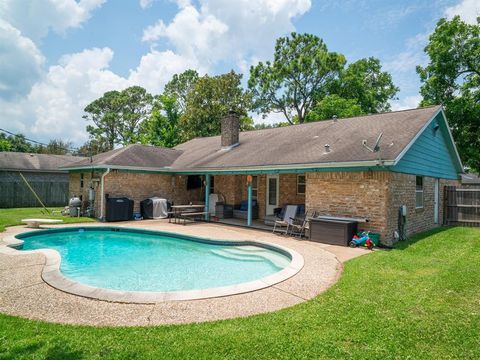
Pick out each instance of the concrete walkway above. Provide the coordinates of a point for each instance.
(24, 293)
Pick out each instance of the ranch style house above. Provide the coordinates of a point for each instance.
(362, 167)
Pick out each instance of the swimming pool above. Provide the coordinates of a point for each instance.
(132, 260)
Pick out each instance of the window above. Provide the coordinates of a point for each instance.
(254, 186)
(419, 192)
(81, 180)
(300, 184)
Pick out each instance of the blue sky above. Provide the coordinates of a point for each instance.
(56, 56)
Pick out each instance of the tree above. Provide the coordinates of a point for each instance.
(180, 86)
(117, 116)
(57, 147)
(17, 143)
(104, 113)
(210, 99)
(452, 78)
(296, 78)
(92, 147)
(334, 105)
(364, 82)
(162, 128)
(135, 107)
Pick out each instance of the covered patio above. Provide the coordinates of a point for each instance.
(251, 199)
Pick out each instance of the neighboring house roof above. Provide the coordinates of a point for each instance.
(470, 179)
(18, 161)
(297, 146)
(135, 155)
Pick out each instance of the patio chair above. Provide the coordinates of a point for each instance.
(286, 221)
(301, 225)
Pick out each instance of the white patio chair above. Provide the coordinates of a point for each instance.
(288, 216)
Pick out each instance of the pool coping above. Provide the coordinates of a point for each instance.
(52, 275)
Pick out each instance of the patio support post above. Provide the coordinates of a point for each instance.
(249, 216)
(207, 193)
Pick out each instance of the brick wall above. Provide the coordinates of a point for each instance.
(376, 196)
(350, 194)
(136, 186)
(402, 192)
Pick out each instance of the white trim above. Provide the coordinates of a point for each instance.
(452, 140)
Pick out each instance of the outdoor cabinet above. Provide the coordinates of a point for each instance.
(334, 232)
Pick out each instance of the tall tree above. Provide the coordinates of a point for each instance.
(117, 116)
(299, 73)
(180, 86)
(364, 82)
(452, 78)
(211, 98)
(162, 128)
(135, 107)
(104, 113)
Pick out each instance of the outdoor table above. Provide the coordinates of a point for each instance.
(178, 209)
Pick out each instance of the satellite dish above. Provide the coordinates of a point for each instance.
(376, 147)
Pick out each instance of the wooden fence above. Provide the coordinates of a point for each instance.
(462, 206)
(51, 188)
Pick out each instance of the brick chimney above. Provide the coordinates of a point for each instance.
(230, 126)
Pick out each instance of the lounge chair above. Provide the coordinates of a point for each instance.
(301, 225)
(287, 220)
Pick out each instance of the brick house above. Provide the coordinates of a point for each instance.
(331, 166)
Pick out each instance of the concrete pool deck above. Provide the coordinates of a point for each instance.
(24, 293)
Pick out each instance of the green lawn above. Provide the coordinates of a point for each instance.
(9, 217)
(418, 301)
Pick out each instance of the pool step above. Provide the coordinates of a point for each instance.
(255, 254)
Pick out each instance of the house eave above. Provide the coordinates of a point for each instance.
(338, 166)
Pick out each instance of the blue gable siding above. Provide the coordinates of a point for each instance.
(431, 155)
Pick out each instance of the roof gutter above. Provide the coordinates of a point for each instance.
(169, 170)
(102, 199)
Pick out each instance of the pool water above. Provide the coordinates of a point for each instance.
(132, 260)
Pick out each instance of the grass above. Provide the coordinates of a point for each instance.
(10, 217)
(418, 301)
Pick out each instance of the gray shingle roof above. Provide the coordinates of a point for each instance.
(35, 162)
(471, 179)
(305, 144)
(292, 145)
(134, 155)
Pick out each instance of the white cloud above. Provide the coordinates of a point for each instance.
(409, 102)
(157, 68)
(35, 18)
(20, 62)
(218, 31)
(468, 10)
(145, 4)
(58, 100)
(201, 37)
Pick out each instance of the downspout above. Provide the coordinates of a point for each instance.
(102, 196)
